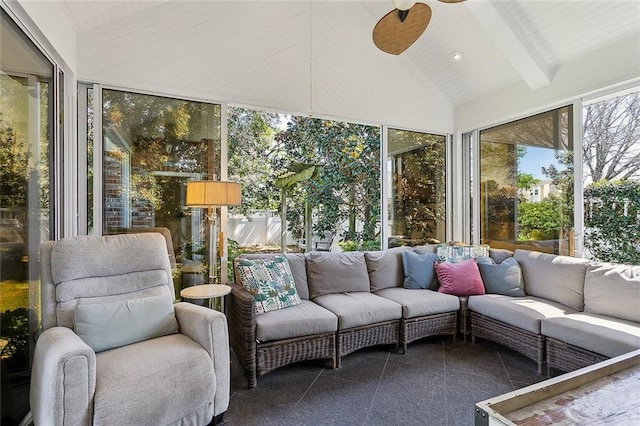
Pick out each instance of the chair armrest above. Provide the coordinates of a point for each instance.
(241, 313)
(63, 379)
(209, 329)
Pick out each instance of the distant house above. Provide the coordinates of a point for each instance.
(539, 192)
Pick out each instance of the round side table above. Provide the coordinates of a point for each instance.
(207, 291)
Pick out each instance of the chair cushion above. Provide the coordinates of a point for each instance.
(385, 267)
(329, 272)
(359, 308)
(522, 312)
(613, 290)
(557, 278)
(419, 270)
(596, 333)
(504, 278)
(304, 319)
(461, 279)
(418, 303)
(270, 282)
(110, 325)
(158, 381)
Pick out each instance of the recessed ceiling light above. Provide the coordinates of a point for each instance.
(456, 57)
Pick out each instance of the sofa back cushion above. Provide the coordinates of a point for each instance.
(428, 248)
(613, 290)
(556, 278)
(385, 268)
(500, 255)
(297, 265)
(329, 272)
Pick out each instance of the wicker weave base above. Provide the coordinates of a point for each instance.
(432, 325)
(272, 355)
(565, 357)
(529, 344)
(380, 333)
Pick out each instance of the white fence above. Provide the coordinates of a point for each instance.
(261, 228)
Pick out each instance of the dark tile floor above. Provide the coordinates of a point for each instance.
(437, 382)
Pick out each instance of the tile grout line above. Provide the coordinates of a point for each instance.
(305, 393)
(386, 362)
(506, 370)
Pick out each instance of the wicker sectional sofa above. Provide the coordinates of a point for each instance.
(355, 300)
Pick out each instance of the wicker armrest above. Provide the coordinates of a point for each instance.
(241, 315)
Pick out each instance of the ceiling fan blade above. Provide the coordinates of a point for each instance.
(451, 1)
(391, 35)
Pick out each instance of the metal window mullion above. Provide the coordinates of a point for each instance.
(578, 181)
(98, 153)
(385, 185)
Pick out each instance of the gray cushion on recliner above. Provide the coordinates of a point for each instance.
(329, 272)
(596, 333)
(522, 312)
(385, 268)
(305, 319)
(297, 265)
(613, 290)
(165, 379)
(418, 303)
(359, 308)
(557, 278)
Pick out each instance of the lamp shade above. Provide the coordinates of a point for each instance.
(207, 193)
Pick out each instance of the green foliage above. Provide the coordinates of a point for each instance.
(539, 220)
(350, 245)
(612, 221)
(526, 181)
(14, 328)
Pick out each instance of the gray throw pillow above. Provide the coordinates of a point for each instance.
(419, 271)
(110, 325)
(504, 278)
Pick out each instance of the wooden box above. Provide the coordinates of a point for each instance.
(604, 393)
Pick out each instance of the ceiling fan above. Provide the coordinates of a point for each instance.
(396, 31)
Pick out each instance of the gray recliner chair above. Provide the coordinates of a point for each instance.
(115, 349)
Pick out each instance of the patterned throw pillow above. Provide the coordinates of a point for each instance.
(270, 282)
(455, 254)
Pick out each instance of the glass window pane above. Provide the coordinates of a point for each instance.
(417, 166)
(151, 146)
(26, 120)
(526, 183)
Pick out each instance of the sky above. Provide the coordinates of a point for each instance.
(535, 159)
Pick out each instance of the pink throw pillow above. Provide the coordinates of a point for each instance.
(460, 279)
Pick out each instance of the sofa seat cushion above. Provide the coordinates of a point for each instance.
(355, 309)
(418, 303)
(596, 333)
(522, 312)
(130, 375)
(304, 319)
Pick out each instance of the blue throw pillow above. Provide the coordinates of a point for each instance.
(418, 270)
(504, 278)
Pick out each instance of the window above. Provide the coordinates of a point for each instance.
(27, 114)
(151, 146)
(526, 183)
(416, 163)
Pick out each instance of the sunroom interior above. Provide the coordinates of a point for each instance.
(481, 72)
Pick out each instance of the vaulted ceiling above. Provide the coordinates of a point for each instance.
(318, 56)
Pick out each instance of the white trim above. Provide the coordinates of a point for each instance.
(624, 89)
(578, 181)
(224, 173)
(385, 183)
(97, 161)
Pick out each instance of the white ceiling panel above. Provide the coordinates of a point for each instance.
(318, 56)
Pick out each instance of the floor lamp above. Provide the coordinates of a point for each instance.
(210, 194)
